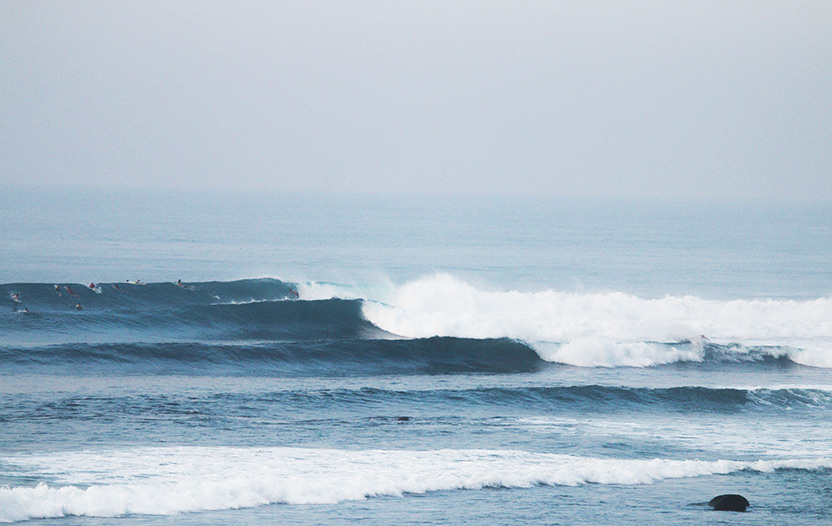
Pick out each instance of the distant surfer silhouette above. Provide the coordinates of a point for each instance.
(58, 290)
(182, 285)
(70, 291)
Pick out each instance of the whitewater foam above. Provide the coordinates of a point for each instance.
(166, 481)
(602, 352)
(604, 329)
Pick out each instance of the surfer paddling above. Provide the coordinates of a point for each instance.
(183, 286)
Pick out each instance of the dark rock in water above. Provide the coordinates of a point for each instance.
(403, 418)
(729, 503)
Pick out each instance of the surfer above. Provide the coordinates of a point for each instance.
(92, 286)
(182, 285)
(70, 291)
(16, 300)
(78, 306)
(58, 290)
(293, 294)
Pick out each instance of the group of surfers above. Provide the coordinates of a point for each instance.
(17, 300)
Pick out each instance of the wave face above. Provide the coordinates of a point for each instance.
(227, 311)
(166, 481)
(437, 324)
(325, 357)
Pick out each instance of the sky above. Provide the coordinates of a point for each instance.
(705, 99)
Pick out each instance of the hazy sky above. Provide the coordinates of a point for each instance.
(664, 98)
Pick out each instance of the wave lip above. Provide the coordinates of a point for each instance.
(166, 481)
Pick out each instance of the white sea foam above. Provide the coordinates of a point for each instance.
(602, 329)
(166, 481)
(603, 352)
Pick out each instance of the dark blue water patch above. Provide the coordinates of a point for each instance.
(322, 357)
(333, 318)
(261, 320)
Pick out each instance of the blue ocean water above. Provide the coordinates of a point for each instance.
(334, 359)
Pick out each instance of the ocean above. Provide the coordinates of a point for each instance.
(242, 358)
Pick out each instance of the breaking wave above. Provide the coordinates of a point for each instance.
(441, 317)
(610, 329)
(167, 481)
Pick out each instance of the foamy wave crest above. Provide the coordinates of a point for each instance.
(816, 356)
(165, 481)
(600, 352)
(605, 329)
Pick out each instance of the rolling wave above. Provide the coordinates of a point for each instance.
(438, 315)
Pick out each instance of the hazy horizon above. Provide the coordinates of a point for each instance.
(634, 100)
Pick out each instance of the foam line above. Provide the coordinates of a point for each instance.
(165, 481)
